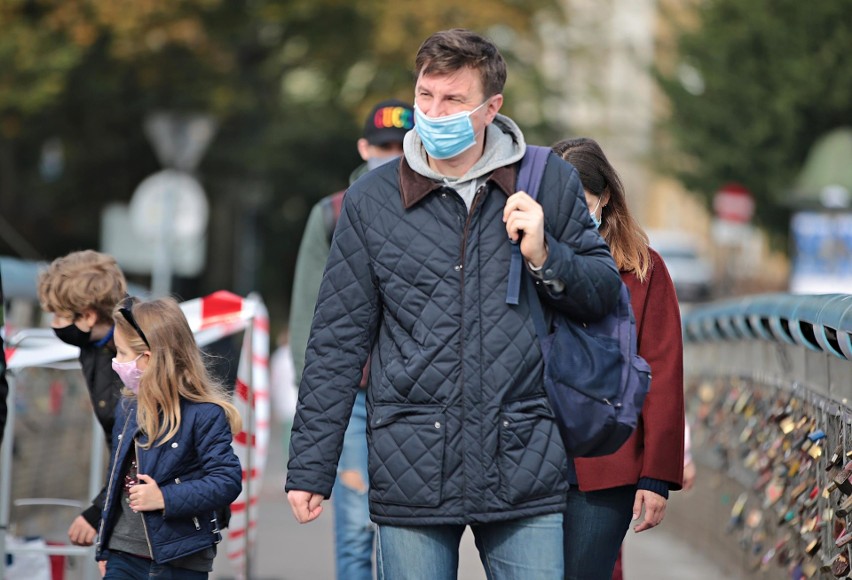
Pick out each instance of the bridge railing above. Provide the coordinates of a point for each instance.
(769, 396)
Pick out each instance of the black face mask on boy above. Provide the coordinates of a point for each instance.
(74, 336)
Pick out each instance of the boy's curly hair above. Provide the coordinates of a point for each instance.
(80, 281)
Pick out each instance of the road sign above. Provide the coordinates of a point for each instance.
(168, 206)
(180, 140)
(734, 203)
(170, 199)
(136, 255)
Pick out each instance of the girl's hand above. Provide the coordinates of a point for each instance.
(146, 497)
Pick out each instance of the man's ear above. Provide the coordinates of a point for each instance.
(363, 149)
(494, 105)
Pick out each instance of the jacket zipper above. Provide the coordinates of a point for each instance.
(194, 518)
(111, 479)
(144, 524)
(477, 196)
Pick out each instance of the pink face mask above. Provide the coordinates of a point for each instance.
(129, 373)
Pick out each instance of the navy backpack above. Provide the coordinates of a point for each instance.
(594, 378)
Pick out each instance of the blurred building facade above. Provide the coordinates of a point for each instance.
(598, 66)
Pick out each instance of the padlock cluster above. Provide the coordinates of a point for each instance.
(792, 451)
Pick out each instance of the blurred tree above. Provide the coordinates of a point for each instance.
(288, 81)
(752, 86)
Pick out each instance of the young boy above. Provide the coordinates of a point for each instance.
(81, 290)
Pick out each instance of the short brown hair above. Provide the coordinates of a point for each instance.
(449, 51)
(81, 281)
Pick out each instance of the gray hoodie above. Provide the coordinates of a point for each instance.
(504, 145)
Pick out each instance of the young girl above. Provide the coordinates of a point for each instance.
(173, 466)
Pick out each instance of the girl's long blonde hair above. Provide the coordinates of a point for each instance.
(175, 369)
(627, 241)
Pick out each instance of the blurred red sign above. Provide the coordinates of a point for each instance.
(734, 203)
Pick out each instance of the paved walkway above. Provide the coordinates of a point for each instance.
(289, 551)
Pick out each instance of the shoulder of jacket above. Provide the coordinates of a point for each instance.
(201, 409)
(559, 173)
(657, 269)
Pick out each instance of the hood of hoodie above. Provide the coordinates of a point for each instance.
(504, 145)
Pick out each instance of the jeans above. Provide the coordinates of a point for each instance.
(121, 566)
(594, 528)
(528, 549)
(353, 530)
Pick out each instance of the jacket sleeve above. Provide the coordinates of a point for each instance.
(310, 263)
(222, 480)
(122, 409)
(661, 344)
(577, 255)
(103, 384)
(105, 392)
(92, 514)
(342, 332)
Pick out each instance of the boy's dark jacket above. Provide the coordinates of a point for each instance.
(104, 391)
(460, 429)
(197, 471)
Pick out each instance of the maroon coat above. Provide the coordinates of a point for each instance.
(655, 449)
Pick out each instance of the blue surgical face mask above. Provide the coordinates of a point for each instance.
(445, 137)
(594, 212)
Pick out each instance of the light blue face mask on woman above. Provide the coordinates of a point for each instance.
(594, 214)
(445, 137)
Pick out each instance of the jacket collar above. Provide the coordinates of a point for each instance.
(413, 187)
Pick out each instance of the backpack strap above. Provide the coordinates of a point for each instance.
(529, 180)
(331, 207)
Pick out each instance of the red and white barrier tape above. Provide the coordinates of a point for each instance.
(253, 370)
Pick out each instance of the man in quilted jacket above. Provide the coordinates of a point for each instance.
(460, 432)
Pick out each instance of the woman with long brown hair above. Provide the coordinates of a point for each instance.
(610, 491)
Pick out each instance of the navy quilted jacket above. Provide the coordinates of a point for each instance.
(197, 471)
(460, 430)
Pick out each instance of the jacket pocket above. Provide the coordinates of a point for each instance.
(532, 458)
(194, 518)
(407, 455)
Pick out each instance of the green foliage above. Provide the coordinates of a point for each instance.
(753, 85)
(287, 80)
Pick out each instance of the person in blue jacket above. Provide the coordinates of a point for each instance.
(460, 432)
(173, 468)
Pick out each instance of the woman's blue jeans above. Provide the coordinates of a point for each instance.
(121, 566)
(594, 528)
(353, 531)
(528, 549)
